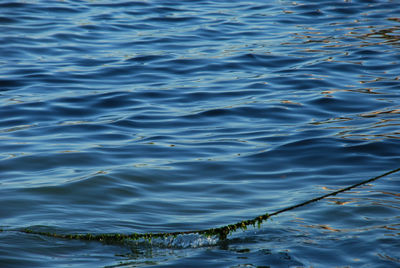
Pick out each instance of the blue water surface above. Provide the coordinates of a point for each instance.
(161, 116)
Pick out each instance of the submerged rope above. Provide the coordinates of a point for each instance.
(221, 232)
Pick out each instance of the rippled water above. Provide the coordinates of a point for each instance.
(139, 116)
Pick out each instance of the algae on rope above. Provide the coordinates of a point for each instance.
(220, 232)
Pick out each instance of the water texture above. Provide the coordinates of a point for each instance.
(162, 116)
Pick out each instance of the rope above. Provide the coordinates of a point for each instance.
(221, 232)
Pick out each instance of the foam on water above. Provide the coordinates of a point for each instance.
(178, 242)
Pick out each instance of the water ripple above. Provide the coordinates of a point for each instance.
(147, 116)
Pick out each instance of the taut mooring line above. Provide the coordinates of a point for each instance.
(222, 232)
(335, 192)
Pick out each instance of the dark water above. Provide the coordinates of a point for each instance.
(139, 116)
